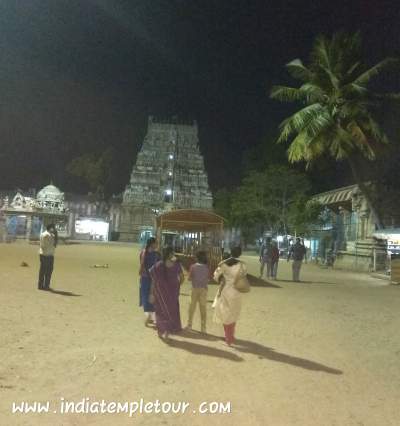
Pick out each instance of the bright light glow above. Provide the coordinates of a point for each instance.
(97, 229)
(171, 156)
(169, 173)
(168, 191)
(279, 238)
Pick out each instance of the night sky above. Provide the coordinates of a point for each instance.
(80, 76)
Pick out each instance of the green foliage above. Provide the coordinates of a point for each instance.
(304, 214)
(336, 117)
(95, 170)
(222, 204)
(274, 199)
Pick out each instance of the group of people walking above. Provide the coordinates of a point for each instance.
(161, 277)
(269, 259)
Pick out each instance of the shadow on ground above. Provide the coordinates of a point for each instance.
(197, 349)
(258, 282)
(306, 282)
(261, 351)
(246, 346)
(63, 293)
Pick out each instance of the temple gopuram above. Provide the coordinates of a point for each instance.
(168, 174)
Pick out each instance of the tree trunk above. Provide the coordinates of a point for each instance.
(284, 211)
(366, 192)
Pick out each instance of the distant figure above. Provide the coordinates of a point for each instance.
(274, 259)
(199, 275)
(48, 243)
(297, 252)
(228, 301)
(265, 258)
(148, 257)
(167, 277)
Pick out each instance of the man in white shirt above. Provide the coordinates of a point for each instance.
(48, 242)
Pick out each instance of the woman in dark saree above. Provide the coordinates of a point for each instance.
(167, 277)
(148, 258)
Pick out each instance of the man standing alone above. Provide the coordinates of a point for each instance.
(48, 242)
(297, 252)
(265, 257)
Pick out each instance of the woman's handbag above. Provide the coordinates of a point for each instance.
(241, 283)
(214, 304)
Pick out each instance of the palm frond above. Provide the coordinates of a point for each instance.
(299, 71)
(352, 69)
(296, 151)
(287, 94)
(366, 76)
(361, 140)
(353, 90)
(306, 148)
(319, 124)
(341, 143)
(337, 119)
(375, 132)
(312, 92)
(334, 81)
(299, 120)
(345, 53)
(320, 52)
(386, 96)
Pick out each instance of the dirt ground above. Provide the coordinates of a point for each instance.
(323, 352)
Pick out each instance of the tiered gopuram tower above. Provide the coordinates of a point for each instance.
(169, 174)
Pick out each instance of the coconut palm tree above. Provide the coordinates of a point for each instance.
(336, 117)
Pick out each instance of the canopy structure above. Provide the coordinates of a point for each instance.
(336, 196)
(191, 230)
(190, 220)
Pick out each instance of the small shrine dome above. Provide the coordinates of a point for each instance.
(51, 193)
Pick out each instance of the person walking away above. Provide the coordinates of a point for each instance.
(199, 275)
(228, 302)
(274, 260)
(148, 257)
(265, 258)
(167, 277)
(48, 243)
(297, 252)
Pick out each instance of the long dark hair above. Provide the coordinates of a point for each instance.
(166, 253)
(235, 253)
(201, 257)
(149, 243)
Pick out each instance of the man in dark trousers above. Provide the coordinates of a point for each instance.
(297, 252)
(48, 243)
(265, 257)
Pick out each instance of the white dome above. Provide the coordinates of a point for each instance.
(50, 192)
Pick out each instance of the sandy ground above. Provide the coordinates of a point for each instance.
(323, 352)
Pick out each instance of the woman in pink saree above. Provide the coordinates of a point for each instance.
(167, 277)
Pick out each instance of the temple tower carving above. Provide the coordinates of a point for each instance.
(168, 174)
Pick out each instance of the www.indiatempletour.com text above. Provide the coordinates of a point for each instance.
(130, 408)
